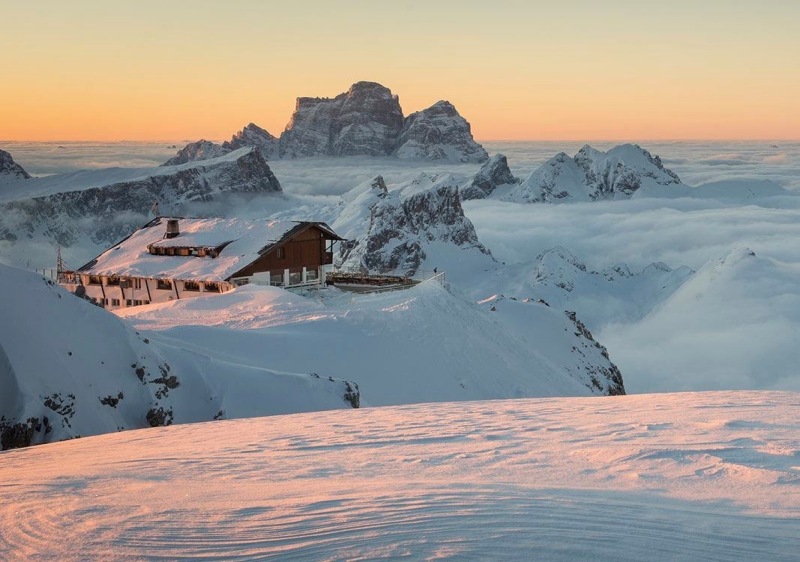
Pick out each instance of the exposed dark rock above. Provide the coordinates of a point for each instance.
(439, 133)
(157, 417)
(365, 120)
(10, 169)
(199, 150)
(253, 135)
(494, 173)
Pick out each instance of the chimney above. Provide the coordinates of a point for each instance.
(173, 229)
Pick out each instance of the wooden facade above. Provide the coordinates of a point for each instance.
(309, 248)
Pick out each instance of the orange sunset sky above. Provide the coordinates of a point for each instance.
(148, 70)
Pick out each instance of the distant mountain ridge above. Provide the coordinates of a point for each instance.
(367, 120)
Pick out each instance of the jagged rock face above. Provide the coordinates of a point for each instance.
(594, 175)
(108, 213)
(253, 135)
(10, 170)
(389, 231)
(200, 150)
(494, 173)
(439, 133)
(365, 120)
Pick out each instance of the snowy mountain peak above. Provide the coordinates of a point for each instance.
(593, 174)
(397, 229)
(10, 170)
(493, 174)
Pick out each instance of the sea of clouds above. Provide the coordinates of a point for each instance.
(738, 329)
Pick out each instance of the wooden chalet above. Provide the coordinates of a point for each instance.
(173, 258)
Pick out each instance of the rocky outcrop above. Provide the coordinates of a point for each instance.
(10, 170)
(494, 173)
(595, 175)
(253, 135)
(200, 150)
(365, 120)
(393, 230)
(439, 133)
(107, 213)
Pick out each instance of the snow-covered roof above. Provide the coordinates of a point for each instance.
(244, 241)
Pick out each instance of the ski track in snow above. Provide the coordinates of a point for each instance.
(690, 476)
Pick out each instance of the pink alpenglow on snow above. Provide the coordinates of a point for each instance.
(693, 476)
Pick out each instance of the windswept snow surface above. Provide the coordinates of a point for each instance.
(694, 476)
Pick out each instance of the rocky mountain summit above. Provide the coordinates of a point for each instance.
(594, 175)
(439, 133)
(199, 150)
(253, 135)
(108, 206)
(398, 229)
(493, 174)
(10, 170)
(367, 120)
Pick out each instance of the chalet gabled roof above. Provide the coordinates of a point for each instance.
(242, 242)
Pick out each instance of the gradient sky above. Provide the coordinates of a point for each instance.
(633, 70)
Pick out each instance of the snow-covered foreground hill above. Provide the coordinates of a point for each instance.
(694, 476)
(70, 369)
(424, 344)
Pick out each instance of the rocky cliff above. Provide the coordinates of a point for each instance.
(439, 133)
(10, 170)
(367, 120)
(493, 174)
(593, 175)
(400, 229)
(200, 150)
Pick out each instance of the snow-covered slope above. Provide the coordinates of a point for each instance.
(10, 171)
(70, 369)
(591, 175)
(684, 477)
(423, 344)
(415, 223)
(95, 209)
(439, 133)
(734, 324)
(614, 294)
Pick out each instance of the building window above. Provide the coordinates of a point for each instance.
(94, 280)
(137, 283)
(114, 302)
(128, 302)
(191, 286)
(280, 253)
(212, 287)
(164, 284)
(112, 281)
